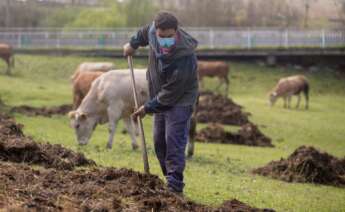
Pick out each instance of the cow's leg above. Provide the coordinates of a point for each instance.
(8, 71)
(113, 117)
(298, 100)
(289, 101)
(284, 98)
(131, 132)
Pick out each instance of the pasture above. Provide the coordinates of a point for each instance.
(217, 172)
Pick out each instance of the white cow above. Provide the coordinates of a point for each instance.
(109, 99)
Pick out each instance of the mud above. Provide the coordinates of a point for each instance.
(98, 189)
(307, 165)
(219, 109)
(42, 111)
(249, 134)
(16, 147)
(55, 185)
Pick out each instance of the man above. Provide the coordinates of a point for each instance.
(173, 85)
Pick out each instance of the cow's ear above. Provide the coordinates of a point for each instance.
(82, 117)
(72, 114)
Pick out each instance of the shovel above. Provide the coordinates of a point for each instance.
(142, 135)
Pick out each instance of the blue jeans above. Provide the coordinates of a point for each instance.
(170, 135)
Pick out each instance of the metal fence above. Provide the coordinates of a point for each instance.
(213, 38)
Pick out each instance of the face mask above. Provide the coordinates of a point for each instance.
(166, 42)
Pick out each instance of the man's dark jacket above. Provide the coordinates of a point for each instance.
(172, 78)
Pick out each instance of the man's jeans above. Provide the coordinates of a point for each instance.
(170, 135)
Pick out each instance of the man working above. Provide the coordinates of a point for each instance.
(173, 85)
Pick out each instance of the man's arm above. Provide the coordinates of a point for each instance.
(141, 38)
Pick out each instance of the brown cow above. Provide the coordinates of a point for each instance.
(217, 69)
(92, 66)
(6, 53)
(83, 77)
(289, 86)
(82, 84)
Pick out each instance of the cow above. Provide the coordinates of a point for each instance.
(217, 69)
(289, 86)
(82, 84)
(109, 99)
(91, 67)
(84, 75)
(6, 53)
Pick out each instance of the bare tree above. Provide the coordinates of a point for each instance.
(307, 5)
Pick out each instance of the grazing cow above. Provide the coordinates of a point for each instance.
(6, 53)
(109, 99)
(214, 69)
(289, 86)
(84, 75)
(91, 67)
(82, 84)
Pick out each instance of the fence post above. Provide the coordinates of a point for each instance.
(211, 34)
(323, 39)
(286, 38)
(57, 39)
(46, 36)
(19, 40)
(249, 39)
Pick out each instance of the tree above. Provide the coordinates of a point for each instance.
(307, 5)
(108, 16)
(139, 12)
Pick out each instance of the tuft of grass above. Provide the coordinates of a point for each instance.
(217, 172)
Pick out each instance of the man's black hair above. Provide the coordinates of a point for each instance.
(165, 20)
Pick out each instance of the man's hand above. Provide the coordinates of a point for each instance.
(139, 113)
(128, 50)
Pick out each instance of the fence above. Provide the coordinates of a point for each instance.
(212, 38)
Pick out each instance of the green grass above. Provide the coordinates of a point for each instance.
(217, 172)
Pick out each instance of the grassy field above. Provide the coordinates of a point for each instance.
(217, 172)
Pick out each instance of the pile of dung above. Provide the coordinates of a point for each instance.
(307, 165)
(42, 111)
(219, 109)
(16, 147)
(55, 185)
(249, 134)
(97, 189)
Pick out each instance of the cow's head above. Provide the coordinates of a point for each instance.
(83, 125)
(272, 98)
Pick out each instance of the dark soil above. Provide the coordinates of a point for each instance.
(307, 165)
(249, 134)
(16, 147)
(63, 188)
(98, 189)
(220, 109)
(42, 111)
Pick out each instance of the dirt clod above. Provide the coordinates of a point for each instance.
(42, 111)
(16, 147)
(249, 134)
(220, 109)
(307, 165)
